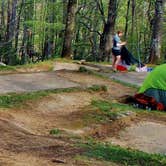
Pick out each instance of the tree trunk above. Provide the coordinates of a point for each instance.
(133, 17)
(27, 40)
(49, 37)
(69, 30)
(127, 19)
(18, 24)
(10, 31)
(155, 48)
(64, 11)
(106, 37)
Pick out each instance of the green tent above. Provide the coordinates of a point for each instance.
(155, 84)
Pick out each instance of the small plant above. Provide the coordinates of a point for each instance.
(98, 88)
(103, 105)
(132, 68)
(83, 69)
(55, 131)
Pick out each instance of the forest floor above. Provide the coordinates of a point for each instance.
(47, 131)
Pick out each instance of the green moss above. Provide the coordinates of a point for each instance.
(123, 156)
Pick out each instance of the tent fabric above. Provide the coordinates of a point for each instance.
(128, 58)
(154, 84)
(155, 79)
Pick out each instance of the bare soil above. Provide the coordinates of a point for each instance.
(25, 132)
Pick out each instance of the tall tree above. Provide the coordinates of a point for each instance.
(11, 30)
(27, 43)
(155, 48)
(69, 29)
(133, 6)
(106, 37)
(49, 36)
(127, 19)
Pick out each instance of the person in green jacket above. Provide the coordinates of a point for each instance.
(154, 84)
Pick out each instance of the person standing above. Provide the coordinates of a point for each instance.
(116, 49)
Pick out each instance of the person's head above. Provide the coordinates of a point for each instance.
(120, 33)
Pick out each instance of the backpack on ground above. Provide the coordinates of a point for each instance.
(146, 102)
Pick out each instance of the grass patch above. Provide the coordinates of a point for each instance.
(55, 131)
(16, 99)
(102, 111)
(13, 99)
(40, 66)
(123, 156)
(7, 68)
(103, 105)
(45, 65)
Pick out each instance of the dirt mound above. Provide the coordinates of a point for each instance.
(20, 145)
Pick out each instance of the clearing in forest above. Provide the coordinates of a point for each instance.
(55, 127)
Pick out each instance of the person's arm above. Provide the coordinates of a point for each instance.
(121, 43)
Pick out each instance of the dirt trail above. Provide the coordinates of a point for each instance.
(27, 82)
(25, 131)
(115, 90)
(146, 136)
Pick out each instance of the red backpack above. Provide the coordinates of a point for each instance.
(145, 101)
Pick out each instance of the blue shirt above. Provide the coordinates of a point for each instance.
(116, 40)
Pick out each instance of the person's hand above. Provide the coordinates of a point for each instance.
(124, 43)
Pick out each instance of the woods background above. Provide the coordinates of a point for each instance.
(34, 30)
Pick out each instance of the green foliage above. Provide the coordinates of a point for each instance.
(55, 131)
(123, 156)
(7, 68)
(132, 68)
(98, 88)
(44, 21)
(38, 24)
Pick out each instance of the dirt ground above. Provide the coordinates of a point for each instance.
(25, 132)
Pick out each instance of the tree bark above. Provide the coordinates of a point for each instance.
(133, 5)
(127, 19)
(155, 47)
(49, 37)
(27, 39)
(106, 37)
(69, 29)
(11, 30)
